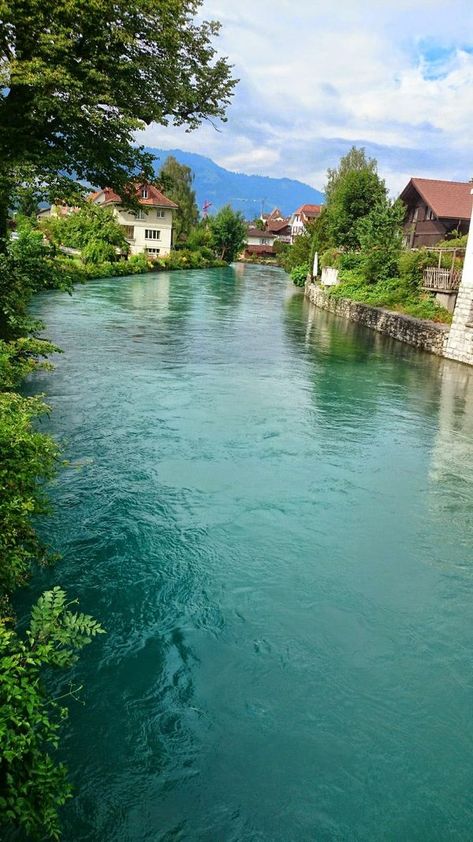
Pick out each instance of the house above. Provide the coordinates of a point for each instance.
(281, 229)
(274, 216)
(301, 217)
(434, 209)
(148, 229)
(259, 241)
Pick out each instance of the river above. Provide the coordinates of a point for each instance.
(271, 512)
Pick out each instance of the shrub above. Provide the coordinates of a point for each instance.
(349, 260)
(330, 257)
(299, 274)
(33, 785)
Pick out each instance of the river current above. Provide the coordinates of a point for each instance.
(270, 510)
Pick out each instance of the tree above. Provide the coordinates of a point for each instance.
(380, 234)
(176, 181)
(352, 191)
(92, 229)
(80, 79)
(228, 229)
(354, 161)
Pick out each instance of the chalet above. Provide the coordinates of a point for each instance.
(281, 228)
(434, 209)
(302, 216)
(259, 241)
(148, 229)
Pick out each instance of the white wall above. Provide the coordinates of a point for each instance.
(152, 221)
(260, 241)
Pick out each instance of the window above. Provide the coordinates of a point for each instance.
(128, 231)
(160, 214)
(152, 234)
(140, 214)
(144, 192)
(153, 251)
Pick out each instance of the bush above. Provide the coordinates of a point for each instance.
(330, 257)
(33, 785)
(393, 294)
(349, 260)
(411, 266)
(299, 274)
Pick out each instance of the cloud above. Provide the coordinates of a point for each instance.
(393, 76)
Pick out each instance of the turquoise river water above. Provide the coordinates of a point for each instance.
(271, 512)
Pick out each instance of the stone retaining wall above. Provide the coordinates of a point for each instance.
(427, 336)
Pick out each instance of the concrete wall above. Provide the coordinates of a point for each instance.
(427, 336)
(329, 277)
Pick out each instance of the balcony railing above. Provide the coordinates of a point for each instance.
(437, 279)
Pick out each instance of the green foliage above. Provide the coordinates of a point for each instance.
(299, 274)
(411, 266)
(27, 267)
(380, 235)
(93, 230)
(20, 357)
(299, 252)
(228, 230)
(73, 101)
(176, 181)
(27, 459)
(353, 197)
(348, 260)
(200, 237)
(32, 785)
(330, 257)
(393, 294)
(459, 242)
(354, 161)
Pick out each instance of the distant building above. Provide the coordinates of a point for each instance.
(281, 228)
(302, 216)
(148, 229)
(259, 241)
(434, 209)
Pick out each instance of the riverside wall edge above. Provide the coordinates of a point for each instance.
(425, 335)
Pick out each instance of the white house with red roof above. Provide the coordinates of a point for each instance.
(301, 217)
(148, 229)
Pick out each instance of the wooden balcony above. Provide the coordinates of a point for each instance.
(437, 279)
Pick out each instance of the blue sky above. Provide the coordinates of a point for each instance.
(315, 78)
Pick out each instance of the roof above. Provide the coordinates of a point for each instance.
(258, 232)
(277, 225)
(309, 210)
(154, 199)
(448, 199)
(261, 249)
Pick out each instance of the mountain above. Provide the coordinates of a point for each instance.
(247, 193)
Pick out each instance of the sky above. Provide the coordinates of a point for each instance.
(394, 76)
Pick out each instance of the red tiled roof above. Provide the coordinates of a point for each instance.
(310, 210)
(276, 227)
(448, 199)
(155, 197)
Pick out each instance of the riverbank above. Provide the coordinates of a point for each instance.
(425, 335)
